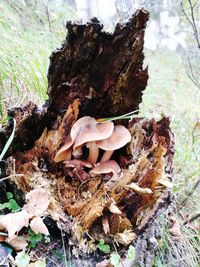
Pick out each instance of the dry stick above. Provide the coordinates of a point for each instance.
(192, 22)
(190, 193)
(118, 253)
(192, 219)
(48, 16)
(195, 31)
(198, 181)
(10, 176)
(192, 76)
(193, 141)
(64, 250)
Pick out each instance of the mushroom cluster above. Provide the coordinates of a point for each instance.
(93, 135)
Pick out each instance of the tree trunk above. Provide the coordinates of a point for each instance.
(101, 75)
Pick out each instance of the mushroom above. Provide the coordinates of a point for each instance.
(110, 166)
(78, 164)
(64, 153)
(78, 168)
(77, 153)
(119, 138)
(90, 134)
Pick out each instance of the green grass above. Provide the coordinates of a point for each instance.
(27, 38)
(170, 92)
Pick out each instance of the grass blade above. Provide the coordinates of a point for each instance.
(10, 139)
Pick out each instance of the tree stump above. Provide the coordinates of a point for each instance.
(101, 75)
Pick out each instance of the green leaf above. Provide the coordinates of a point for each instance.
(34, 238)
(47, 239)
(22, 259)
(131, 253)
(13, 205)
(115, 259)
(5, 120)
(9, 195)
(4, 205)
(40, 263)
(103, 247)
(159, 263)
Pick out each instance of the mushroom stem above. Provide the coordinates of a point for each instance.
(106, 156)
(77, 152)
(93, 152)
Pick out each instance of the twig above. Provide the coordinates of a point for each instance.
(190, 193)
(48, 16)
(192, 21)
(193, 140)
(192, 219)
(118, 253)
(64, 250)
(193, 78)
(10, 176)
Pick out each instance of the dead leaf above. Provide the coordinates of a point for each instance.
(104, 263)
(17, 242)
(37, 226)
(126, 237)
(106, 226)
(140, 190)
(14, 222)
(114, 209)
(166, 183)
(175, 228)
(38, 201)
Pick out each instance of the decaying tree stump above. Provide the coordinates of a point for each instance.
(101, 75)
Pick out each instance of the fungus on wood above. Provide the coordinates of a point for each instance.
(100, 75)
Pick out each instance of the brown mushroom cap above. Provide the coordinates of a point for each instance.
(64, 153)
(110, 166)
(84, 130)
(119, 138)
(93, 131)
(81, 124)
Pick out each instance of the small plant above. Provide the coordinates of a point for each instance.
(40, 263)
(158, 263)
(131, 253)
(33, 238)
(23, 259)
(47, 239)
(115, 259)
(11, 204)
(105, 248)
